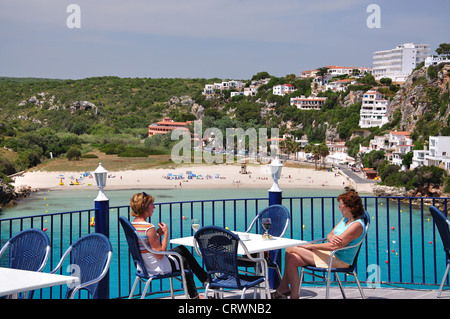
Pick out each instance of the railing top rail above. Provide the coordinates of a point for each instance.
(48, 214)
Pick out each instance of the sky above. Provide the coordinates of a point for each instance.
(226, 39)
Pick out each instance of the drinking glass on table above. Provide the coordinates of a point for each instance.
(195, 223)
(266, 223)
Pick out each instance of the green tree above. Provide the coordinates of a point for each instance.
(73, 154)
(444, 49)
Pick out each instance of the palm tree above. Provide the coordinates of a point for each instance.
(318, 151)
(323, 152)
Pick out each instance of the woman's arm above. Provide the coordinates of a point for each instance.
(153, 236)
(335, 242)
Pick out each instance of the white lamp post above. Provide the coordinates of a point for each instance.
(275, 169)
(100, 178)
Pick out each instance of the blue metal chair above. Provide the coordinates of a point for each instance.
(442, 224)
(28, 250)
(349, 271)
(90, 257)
(133, 240)
(219, 250)
(280, 217)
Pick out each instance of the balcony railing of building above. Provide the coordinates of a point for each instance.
(402, 246)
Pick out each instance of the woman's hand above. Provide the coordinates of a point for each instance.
(163, 229)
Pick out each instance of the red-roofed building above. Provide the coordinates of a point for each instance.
(308, 103)
(165, 126)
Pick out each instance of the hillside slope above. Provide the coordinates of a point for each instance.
(423, 102)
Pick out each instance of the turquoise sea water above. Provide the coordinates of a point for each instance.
(55, 201)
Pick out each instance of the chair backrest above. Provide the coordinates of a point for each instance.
(366, 219)
(133, 245)
(28, 250)
(218, 247)
(280, 217)
(442, 225)
(91, 255)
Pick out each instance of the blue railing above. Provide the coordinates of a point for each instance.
(402, 246)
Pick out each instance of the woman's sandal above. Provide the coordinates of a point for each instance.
(278, 295)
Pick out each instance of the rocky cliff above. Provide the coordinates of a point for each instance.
(425, 92)
(9, 196)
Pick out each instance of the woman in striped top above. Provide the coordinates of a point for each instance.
(158, 239)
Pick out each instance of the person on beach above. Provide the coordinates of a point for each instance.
(158, 239)
(347, 232)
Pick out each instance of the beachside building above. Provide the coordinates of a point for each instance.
(165, 126)
(400, 143)
(283, 89)
(395, 145)
(308, 103)
(397, 64)
(374, 110)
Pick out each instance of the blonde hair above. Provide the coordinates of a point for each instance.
(139, 203)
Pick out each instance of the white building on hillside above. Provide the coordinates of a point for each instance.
(339, 85)
(379, 143)
(373, 110)
(398, 63)
(400, 143)
(419, 158)
(308, 103)
(283, 89)
(435, 60)
(252, 90)
(437, 154)
(226, 85)
(439, 148)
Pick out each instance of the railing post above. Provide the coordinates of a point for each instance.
(275, 198)
(102, 227)
(102, 224)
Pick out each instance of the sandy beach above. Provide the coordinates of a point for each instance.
(202, 176)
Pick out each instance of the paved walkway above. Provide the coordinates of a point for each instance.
(377, 293)
(317, 293)
(363, 185)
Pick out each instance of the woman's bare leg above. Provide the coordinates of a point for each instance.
(294, 257)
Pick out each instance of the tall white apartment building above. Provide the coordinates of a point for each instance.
(398, 63)
(373, 110)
